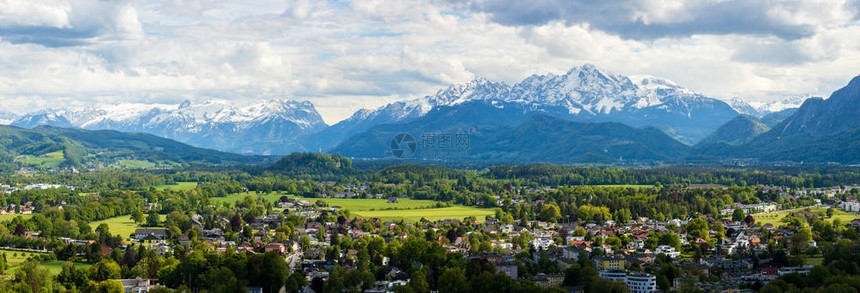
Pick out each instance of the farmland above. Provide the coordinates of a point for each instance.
(122, 225)
(776, 217)
(49, 160)
(405, 208)
(16, 258)
(179, 186)
(434, 214)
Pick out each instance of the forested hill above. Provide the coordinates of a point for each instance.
(312, 165)
(56, 147)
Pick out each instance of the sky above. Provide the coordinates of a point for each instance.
(347, 55)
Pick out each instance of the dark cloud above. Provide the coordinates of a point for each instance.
(621, 17)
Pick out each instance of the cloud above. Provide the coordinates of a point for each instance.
(648, 20)
(67, 23)
(346, 55)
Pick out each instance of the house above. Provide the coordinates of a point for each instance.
(139, 285)
(509, 268)
(667, 250)
(143, 233)
(636, 282)
(610, 263)
(276, 247)
(548, 280)
(851, 206)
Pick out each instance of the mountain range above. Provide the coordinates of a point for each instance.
(265, 128)
(598, 117)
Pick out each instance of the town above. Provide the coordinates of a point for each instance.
(385, 236)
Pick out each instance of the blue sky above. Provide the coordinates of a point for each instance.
(347, 55)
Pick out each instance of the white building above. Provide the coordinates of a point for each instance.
(541, 243)
(636, 282)
(667, 250)
(850, 206)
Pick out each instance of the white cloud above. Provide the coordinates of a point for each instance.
(347, 55)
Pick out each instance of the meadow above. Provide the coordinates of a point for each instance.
(16, 258)
(405, 208)
(9, 217)
(49, 160)
(179, 186)
(776, 217)
(122, 225)
(434, 214)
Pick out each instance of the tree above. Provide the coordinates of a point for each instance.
(137, 216)
(749, 220)
(698, 227)
(106, 286)
(153, 220)
(738, 215)
(550, 213)
(453, 280)
(37, 278)
(418, 282)
(105, 269)
(800, 240)
(72, 276)
(267, 270)
(223, 280)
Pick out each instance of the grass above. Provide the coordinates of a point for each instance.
(623, 186)
(179, 186)
(233, 198)
(352, 204)
(122, 225)
(407, 209)
(9, 217)
(136, 164)
(435, 214)
(55, 267)
(16, 258)
(49, 160)
(776, 217)
(815, 261)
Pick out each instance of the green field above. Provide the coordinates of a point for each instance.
(136, 164)
(775, 217)
(122, 225)
(623, 186)
(405, 208)
(179, 186)
(16, 258)
(9, 217)
(233, 198)
(352, 204)
(455, 212)
(49, 160)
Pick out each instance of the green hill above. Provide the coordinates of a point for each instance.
(739, 130)
(47, 147)
(303, 164)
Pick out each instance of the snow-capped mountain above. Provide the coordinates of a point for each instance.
(743, 107)
(584, 93)
(267, 127)
(761, 109)
(773, 107)
(7, 118)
